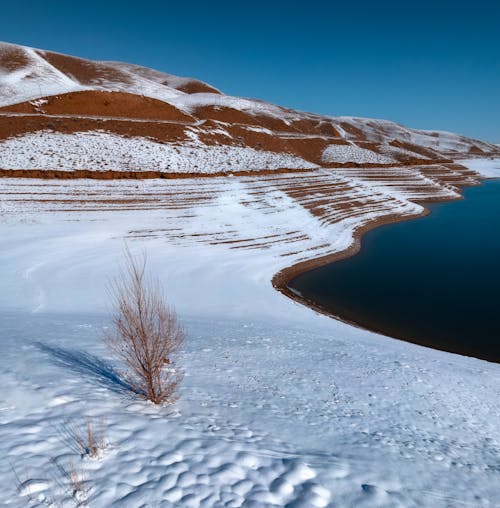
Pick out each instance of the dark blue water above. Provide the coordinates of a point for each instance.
(434, 280)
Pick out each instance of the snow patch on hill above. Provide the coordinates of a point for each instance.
(37, 78)
(352, 153)
(100, 151)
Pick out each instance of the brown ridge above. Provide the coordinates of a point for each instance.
(54, 174)
(308, 148)
(232, 116)
(131, 175)
(86, 72)
(11, 126)
(195, 86)
(105, 104)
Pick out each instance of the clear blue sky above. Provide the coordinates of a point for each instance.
(426, 64)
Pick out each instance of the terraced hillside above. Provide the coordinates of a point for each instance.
(64, 118)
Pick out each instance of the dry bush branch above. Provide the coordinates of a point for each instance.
(147, 335)
(71, 478)
(88, 440)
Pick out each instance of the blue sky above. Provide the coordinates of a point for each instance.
(425, 64)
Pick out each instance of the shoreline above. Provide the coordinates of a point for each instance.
(282, 278)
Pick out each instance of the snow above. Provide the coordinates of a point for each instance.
(189, 104)
(279, 406)
(152, 83)
(378, 131)
(35, 80)
(487, 168)
(394, 151)
(353, 153)
(101, 151)
(259, 129)
(41, 79)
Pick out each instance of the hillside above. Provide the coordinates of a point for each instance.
(58, 112)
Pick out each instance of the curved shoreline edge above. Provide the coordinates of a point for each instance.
(282, 278)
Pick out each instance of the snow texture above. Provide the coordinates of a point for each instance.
(102, 151)
(279, 406)
(487, 168)
(352, 153)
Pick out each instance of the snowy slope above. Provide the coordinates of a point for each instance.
(487, 168)
(106, 151)
(352, 153)
(31, 78)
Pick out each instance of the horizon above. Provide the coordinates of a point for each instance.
(436, 72)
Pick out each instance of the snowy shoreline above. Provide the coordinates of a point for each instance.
(282, 278)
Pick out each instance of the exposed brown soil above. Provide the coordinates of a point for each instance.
(13, 58)
(399, 157)
(89, 73)
(144, 175)
(309, 148)
(85, 72)
(195, 86)
(420, 150)
(162, 132)
(131, 175)
(119, 112)
(232, 116)
(106, 104)
(320, 127)
(475, 150)
(454, 174)
(354, 131)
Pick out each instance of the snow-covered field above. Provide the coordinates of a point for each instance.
(488, 168)
(106, 151)
(279, 406)
(351, 153)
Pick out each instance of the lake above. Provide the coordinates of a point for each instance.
(433, 280)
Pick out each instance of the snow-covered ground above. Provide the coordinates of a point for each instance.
(352, 153)
(279, 406)
(87, 150)
(488, 168)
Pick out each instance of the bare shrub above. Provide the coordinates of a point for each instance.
(88, 440)
(72, 479)
(146, 334)
(65, 479)
(77, 481)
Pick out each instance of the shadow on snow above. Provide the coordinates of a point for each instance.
(89, 366)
